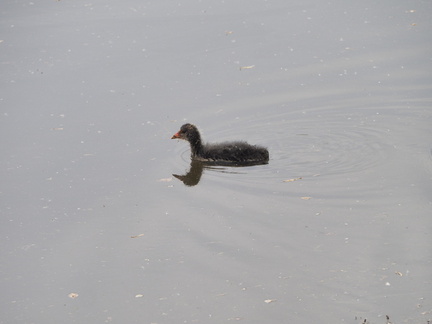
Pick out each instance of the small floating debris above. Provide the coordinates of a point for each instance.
(165, 180)
(73, 295)
(135, 236)
(139, 296)
(247, 67)
(268, 301)
(306, 198)
(291, 180)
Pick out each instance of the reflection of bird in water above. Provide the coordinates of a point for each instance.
(196, 170)
(226, 153)
(193, 176)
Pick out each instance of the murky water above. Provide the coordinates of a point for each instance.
(96, 228)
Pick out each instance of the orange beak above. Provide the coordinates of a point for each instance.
(176, 135)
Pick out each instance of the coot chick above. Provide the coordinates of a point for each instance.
(226, 153)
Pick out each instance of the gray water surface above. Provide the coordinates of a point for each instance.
(96, 229)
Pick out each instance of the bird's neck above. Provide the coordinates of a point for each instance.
(196, 145)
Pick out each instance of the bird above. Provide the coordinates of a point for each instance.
(226, 153)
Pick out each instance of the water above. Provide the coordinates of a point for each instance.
(335, 229)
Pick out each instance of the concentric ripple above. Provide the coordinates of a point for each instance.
(335, 145)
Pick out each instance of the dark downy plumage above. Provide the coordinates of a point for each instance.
(226, 153)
